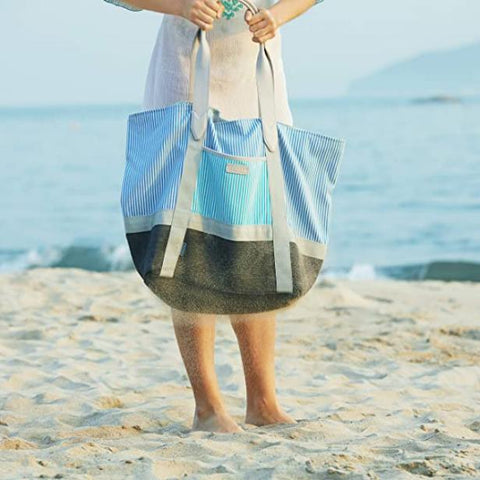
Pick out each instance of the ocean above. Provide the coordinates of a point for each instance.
(406, 205)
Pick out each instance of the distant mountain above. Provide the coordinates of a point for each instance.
(448, 73)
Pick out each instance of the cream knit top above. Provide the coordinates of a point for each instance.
(233, 89)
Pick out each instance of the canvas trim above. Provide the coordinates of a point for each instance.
(239, 233)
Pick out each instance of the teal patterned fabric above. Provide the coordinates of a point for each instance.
(231, 6)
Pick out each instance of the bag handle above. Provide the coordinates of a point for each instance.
(199, 118)
(200, 80)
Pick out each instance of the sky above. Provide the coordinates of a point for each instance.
(91, 52)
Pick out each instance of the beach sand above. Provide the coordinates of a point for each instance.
(383, 377)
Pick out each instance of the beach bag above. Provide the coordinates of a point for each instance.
(226, 216)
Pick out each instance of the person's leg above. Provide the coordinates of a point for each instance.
(256, 338)
(195, 335)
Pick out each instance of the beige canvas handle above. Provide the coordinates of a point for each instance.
(200, 79)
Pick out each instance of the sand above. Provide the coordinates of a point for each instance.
(382, 376)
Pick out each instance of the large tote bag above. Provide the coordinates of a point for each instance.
(227, 216)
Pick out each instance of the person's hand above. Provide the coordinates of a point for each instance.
(263, 25)
(202, 12)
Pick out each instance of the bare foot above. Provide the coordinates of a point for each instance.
(265, 415)
(212, 421)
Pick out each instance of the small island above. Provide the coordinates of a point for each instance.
(447, 76)
(438, 99)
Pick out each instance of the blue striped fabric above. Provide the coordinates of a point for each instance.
(252, 200)
(156, 145)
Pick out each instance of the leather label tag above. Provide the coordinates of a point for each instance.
(237, 168)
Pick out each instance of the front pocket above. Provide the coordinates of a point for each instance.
(232, 189)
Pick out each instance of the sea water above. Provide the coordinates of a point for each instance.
(407, 197)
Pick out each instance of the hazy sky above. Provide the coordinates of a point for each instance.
(88, 51)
